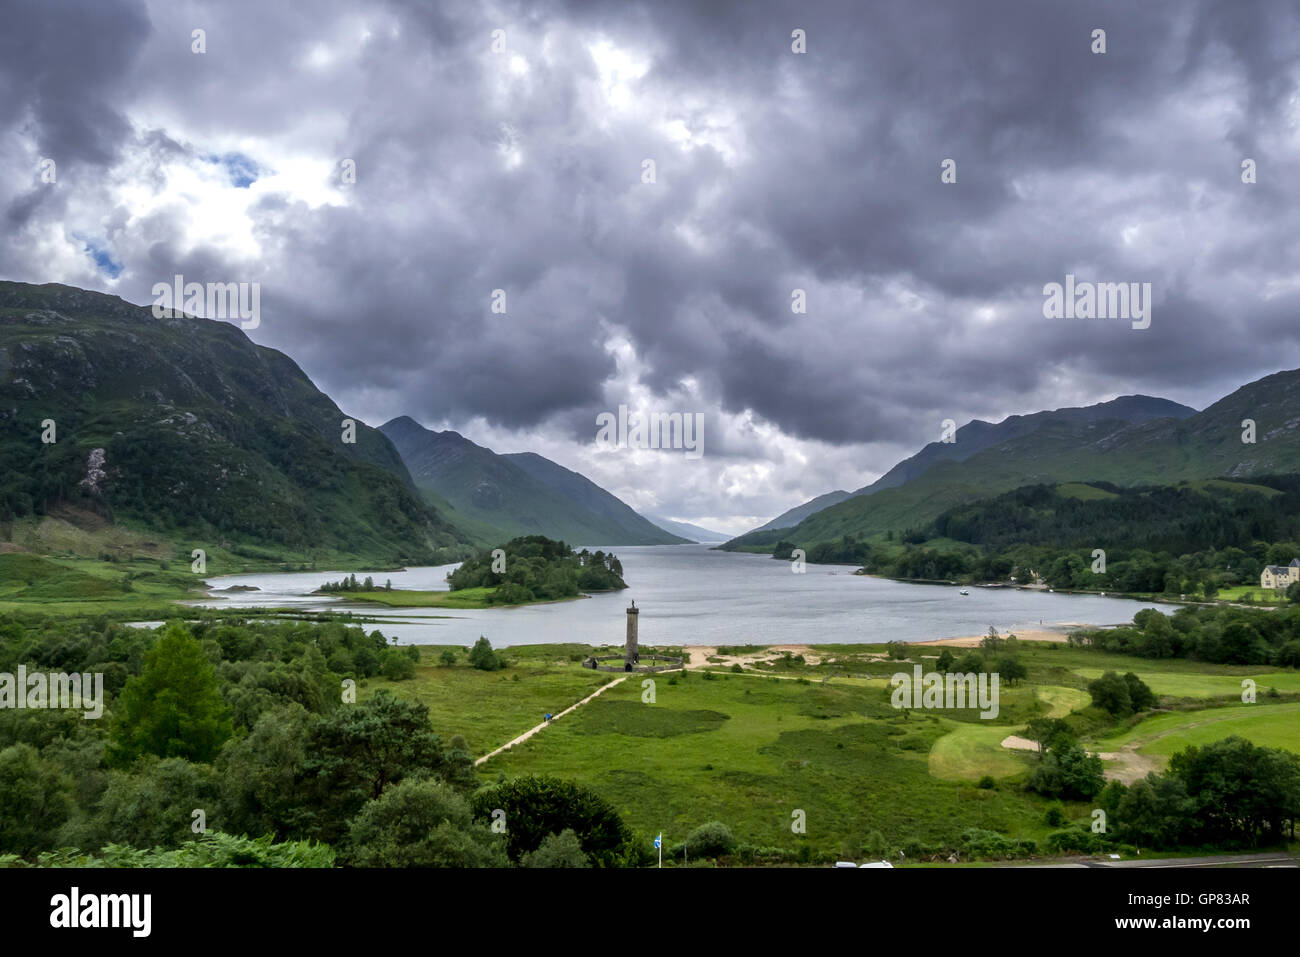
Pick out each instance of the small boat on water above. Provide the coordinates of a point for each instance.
(965, 591)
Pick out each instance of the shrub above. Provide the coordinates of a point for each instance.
(987, 783)
(421, 823)
(482, 657)
(537, 807)
(557, 850)
(713, 839)
(1082, 840)
(396, 665)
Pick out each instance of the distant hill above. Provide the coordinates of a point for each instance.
(977, 435)
(686, 529)
(187, 428)
(516, 494)
(1154, 451)
(797, 514)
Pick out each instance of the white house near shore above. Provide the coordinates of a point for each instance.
(1280, 576)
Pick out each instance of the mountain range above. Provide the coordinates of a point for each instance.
(516, 494)
(687, 530)
(185, 428)
(1128, 441)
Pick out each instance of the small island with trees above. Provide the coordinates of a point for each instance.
(523, 571)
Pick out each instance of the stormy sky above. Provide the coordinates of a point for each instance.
(517, 161)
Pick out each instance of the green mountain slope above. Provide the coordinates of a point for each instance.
(792, 517)
(611, 510)
(1157, 451)
(518, 494)
(977, 435)
(187, 428)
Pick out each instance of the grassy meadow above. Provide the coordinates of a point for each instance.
(751, 748)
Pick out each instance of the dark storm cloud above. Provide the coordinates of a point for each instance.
(816, 171)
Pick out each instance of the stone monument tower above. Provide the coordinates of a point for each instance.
(630, 654)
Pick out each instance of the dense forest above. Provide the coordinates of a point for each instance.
(1219, 634)
(1194, 539)
(535, 568)
(1191, 517)
(227, 743)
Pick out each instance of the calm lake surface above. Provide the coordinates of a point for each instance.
(691, 595)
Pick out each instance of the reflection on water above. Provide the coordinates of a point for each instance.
(695, 596)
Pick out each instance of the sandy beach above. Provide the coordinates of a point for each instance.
(1034, 634)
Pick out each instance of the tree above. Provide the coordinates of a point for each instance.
(1242, 644)
(992, 641)
(557, 850)
(421, 823)
(1068, 772)
(174, 708)
(945, 661)
(1154, 812)
(262, 776)
(482, 657)
(359, 750)
(447, 658)
(153, 805)
(35, 799)
(1140, 696)
(1010, 668)
(1110, 692)
(538, 806)
(1240, 792)
(396, 664)
(1050, 733)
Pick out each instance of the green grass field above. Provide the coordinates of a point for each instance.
(1252, 593)
(1268, 725)
(490, 707)
(971, 751)
(750, 750)
(77, 586)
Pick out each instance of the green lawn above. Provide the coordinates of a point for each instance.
(1061, 701)
(1260, 596)
(1268, 725)
(971, 751)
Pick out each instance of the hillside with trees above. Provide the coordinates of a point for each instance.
(187, 429)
